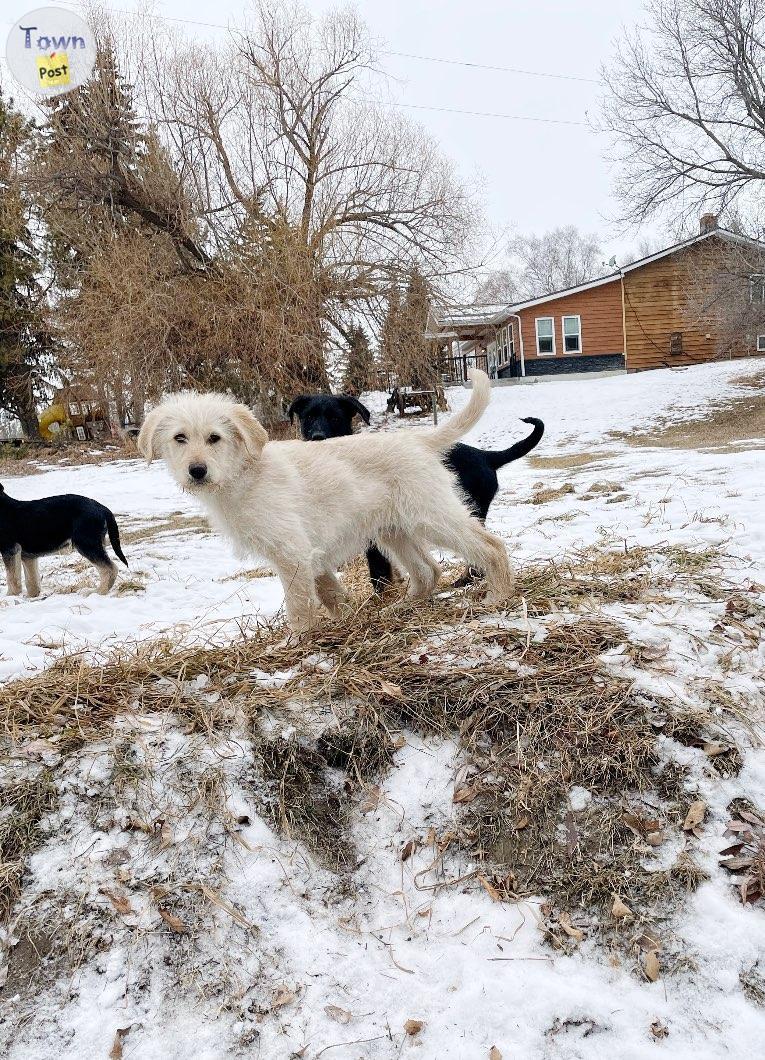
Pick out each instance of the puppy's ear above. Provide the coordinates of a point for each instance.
(250, 430)
(355, 407)
(147, 436)
(297, 408)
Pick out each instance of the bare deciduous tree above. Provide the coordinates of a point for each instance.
(278, 125)
(497, 287)
(560, 258)
(685, 103)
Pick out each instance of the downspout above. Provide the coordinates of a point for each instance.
(624, 321)
(520, 336)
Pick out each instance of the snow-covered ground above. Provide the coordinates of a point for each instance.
(344, 973)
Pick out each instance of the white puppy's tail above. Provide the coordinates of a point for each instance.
(443, 438)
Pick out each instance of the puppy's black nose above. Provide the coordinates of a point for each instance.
(198, 471)
(317, 436)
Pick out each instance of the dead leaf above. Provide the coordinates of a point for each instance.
(162, 830)
(651, 965)
(696, 813)
(714, 749)
(494, 1053)
(115, 1053)
(659, 1030)
(464, 794)
(620, 909)
(391, 690)
(413, 1027)
(283, 996)
(399, 741)
(408, 849)
(173, 922)
(490, 889)
(371, 799)
(119, 901)
(573, 932)
(339, 1015)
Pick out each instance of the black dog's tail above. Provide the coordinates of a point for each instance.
(499, 457)
(114, 536)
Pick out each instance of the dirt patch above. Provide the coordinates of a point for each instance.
(30, 962)
(174, 523)
(551, 493)
(568, 460)
(724, 429)
(36, 459)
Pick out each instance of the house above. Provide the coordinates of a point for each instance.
(664, 310)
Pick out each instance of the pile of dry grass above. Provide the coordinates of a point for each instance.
(533, 706)
(24, 803)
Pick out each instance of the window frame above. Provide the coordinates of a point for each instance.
(505, 344)
(563, 319)
(760, 348)
(547, 353)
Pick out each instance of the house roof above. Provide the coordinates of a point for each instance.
(467, 316)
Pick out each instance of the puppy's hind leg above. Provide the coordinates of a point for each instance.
(461, 533)
(31, 575)
(331, 593)
(91, 547)
(12, 563)
(423, 570)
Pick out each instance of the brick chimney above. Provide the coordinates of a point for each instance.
(707, 223)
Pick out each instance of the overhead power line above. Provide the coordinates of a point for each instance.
(400, 55)
(498, 69)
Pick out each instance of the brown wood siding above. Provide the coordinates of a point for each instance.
(656, 304)
(668, 296)
(600, 309)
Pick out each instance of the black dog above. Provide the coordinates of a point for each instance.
(326, 416)
(30, 529)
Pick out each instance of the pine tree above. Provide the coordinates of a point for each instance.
(417, 352)
(360, 367)
(390, 334)
(404, 349)
(24, 341)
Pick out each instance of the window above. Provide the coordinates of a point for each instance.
(572, 334)
(761, 343)
(545, 336)
(757, 288)
(676, 343)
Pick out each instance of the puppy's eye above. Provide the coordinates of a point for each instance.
(213, 439)
(180, 439)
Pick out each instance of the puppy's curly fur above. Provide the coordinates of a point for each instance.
(307, 509)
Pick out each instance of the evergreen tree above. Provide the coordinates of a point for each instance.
(404, 349)
(24, 340)
(360, 367)
(390, 334)
(417, 353)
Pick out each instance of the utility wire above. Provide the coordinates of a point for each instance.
(400, 55)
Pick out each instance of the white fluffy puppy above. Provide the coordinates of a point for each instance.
(307, 509)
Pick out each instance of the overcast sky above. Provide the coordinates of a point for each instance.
(531, 175)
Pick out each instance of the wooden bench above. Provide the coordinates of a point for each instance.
(425, 400)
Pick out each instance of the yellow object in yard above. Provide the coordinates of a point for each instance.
(53, 69)
(52, 421)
